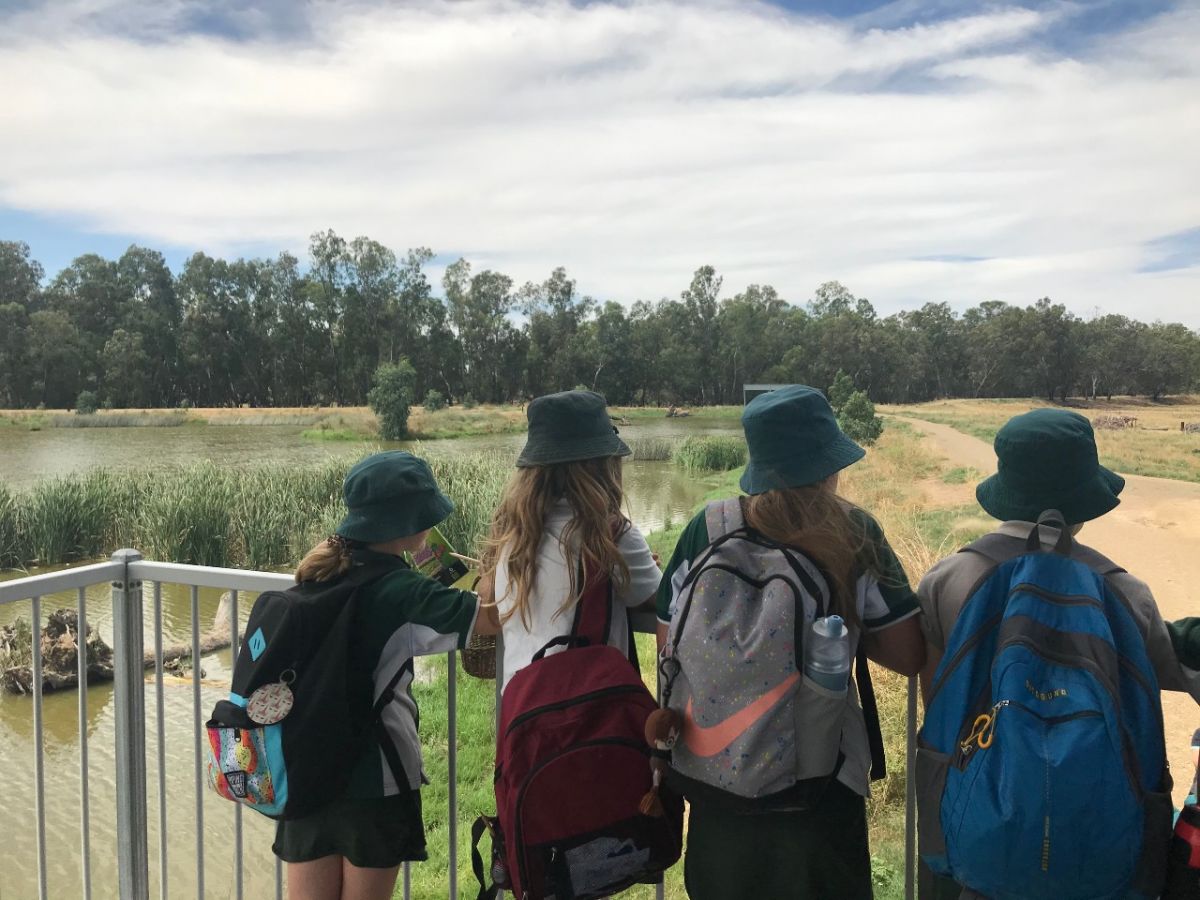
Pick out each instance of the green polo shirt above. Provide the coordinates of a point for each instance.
(400, 617)
(884, 595)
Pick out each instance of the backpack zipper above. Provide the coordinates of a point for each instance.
(1051, 597)
(1128, 757)
(600, 694)
(596, 742)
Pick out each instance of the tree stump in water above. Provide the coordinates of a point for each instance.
(59, 651)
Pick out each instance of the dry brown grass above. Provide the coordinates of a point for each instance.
(1155, 447)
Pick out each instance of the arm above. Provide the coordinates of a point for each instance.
(899, 647)
(488, 620)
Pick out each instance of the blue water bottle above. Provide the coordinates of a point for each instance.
(827, 656)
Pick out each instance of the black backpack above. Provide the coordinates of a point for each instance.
(299, 714)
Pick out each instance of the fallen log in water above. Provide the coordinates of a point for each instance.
(60, 667)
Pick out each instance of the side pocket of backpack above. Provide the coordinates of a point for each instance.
(819, 718)
(246, 764)
(932, 768)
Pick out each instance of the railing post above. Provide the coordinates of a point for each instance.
(910, 793)
(130, 697)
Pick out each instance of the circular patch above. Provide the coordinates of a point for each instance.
(270, 703)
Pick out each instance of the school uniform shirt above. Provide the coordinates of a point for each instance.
(400, 617)
(552, 587)
(949, 584)
(883, 597)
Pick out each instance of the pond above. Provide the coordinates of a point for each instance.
(656, 493)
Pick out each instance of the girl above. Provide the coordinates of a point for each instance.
(352, 848)
(796, 453)
(560, 519)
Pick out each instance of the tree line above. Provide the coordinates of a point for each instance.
(269, 332)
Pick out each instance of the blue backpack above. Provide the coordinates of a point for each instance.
(1041, 762)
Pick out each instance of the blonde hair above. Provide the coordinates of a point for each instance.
(326, 561)
(592, 488)
(816, 520)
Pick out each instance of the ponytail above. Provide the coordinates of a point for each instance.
(326, 561)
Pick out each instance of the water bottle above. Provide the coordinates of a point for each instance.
(827, 656)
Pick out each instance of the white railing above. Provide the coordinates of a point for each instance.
(126, 572)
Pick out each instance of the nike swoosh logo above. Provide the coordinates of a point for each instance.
(712, 740)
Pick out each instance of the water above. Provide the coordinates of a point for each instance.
(657, 493)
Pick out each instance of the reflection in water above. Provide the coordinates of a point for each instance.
(656, 494)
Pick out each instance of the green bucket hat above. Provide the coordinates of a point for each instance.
(391, 495)
(794, 440)
(1046, 459)
(569, 426)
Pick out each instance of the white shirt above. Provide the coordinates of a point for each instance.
(552, 586)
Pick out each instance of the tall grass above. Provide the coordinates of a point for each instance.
(264, 517)
(711, 453)
(651, 449)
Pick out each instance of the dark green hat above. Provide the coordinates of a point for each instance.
(391, 495)
(1046, 459)
(794, 440)
(568, 427)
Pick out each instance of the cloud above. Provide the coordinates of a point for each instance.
(1173, 251)
(630, 143)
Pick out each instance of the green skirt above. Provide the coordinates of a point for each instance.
(371, 834)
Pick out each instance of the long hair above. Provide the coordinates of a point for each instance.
(326, 561)
(814, 519)
(592, 488)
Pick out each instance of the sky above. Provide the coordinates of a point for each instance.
(950, 150)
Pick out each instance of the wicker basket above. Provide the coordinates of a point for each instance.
(479, 657)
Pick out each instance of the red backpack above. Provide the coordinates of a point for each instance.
(572, 768)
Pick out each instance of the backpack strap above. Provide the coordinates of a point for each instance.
(724, 517)
(866, 696)
(478, 827)
(594, 611)
(381, 734)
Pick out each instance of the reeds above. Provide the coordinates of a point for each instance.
(711, 453)
(651, 449)
(264, 517)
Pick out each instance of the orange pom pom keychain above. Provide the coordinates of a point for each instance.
(662, 730)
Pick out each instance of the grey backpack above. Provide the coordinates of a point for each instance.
(757, 733)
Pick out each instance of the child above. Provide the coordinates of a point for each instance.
(560, 520)
(796, 453)
(1047, 460)
(354, 846)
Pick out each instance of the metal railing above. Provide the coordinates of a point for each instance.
(127, 572)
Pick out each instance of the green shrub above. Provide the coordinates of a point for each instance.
(86, 403)
(858, 419)
(433, 401)
(391, 397)
(840, 391)
(468, 401)
(711, 453)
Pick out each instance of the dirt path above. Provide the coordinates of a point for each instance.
(1155, 533)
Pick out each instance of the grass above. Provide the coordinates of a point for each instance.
(262, 518)
(632, 413)
(458, 421)
(1155, 447)
(711, 453)
(962, 475)
(652, 449)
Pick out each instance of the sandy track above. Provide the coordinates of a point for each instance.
(1155, 533)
